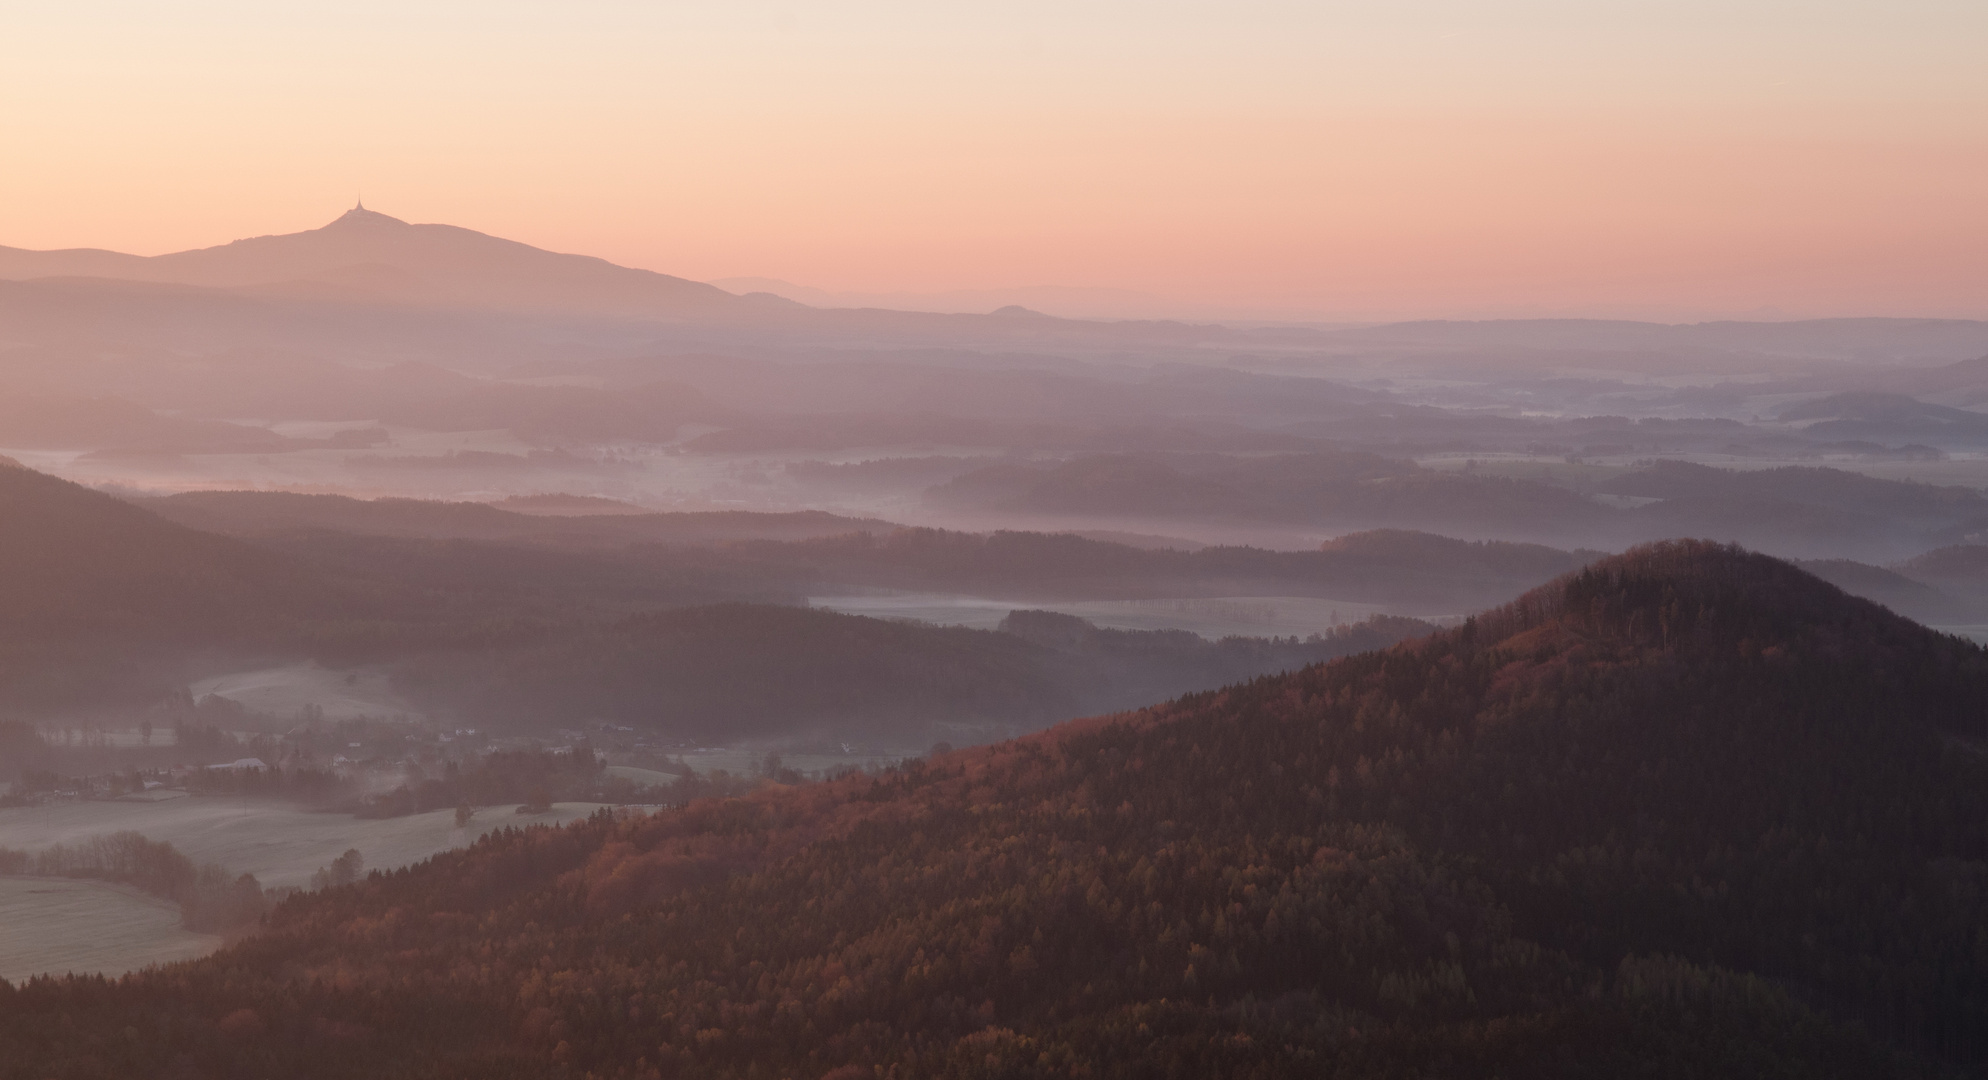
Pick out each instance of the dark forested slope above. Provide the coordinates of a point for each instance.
(732, 671)
(1689, 812)
(105, 604)
(75, 560)
(96, 594)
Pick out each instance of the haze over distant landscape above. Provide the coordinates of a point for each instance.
(865, 540)
(1349, 161)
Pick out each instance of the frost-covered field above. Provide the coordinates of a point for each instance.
(54, 925)
(277, 842)
(283, 691)
(58, 925)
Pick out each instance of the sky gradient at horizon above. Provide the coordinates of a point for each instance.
(1348, 160)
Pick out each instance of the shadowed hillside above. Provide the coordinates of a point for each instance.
(1380, 566)
(811, 549)
(266, 513)
(110, 606)
(74, 560)
(732, 671)
(1687, 812)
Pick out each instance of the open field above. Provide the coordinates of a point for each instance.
(59, 924)
(284, 691)
(277, 842)
(642, 776)
(55, 925)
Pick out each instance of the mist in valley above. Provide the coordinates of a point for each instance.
(347, 550)
(870, 540)
(548, 498)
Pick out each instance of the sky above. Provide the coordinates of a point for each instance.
(1356, 160)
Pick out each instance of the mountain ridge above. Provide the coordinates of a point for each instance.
(1685, 811)
(444, 264)
(341, 260)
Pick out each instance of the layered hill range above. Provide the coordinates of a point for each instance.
(1686, 812)
(433, 279)
(377, 357)
(682, 626)
(1811, 512)
(533, 621)
(277, 328)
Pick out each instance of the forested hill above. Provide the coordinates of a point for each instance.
(106, 605)
(1688, 812)
(74, 560)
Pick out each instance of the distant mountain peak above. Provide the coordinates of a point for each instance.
(360, 216)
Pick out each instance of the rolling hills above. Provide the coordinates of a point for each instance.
(726, 672)
(671, 624)
(1791, 511)
(74, 560)
(811, 550)
(1686, 812)
(254, 514)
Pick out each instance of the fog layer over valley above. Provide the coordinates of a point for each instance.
(1212, 688)
(376, 357)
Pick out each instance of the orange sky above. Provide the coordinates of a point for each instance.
(1354, 160)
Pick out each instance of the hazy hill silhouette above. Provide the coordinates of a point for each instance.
(1608, 342)
(1887, 418)
(63, 421)
(1433, 574)
(80, 564)
(364, 253)
(265, 513)
(1913, 598)
(75, 561)
(525, 621)
(1687, 812)
(812, 550)
(797, 553)
(104, 603)
(1794, 511)
(1332, 488)
(727, 672)
(365, 259)
(1798, 510)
